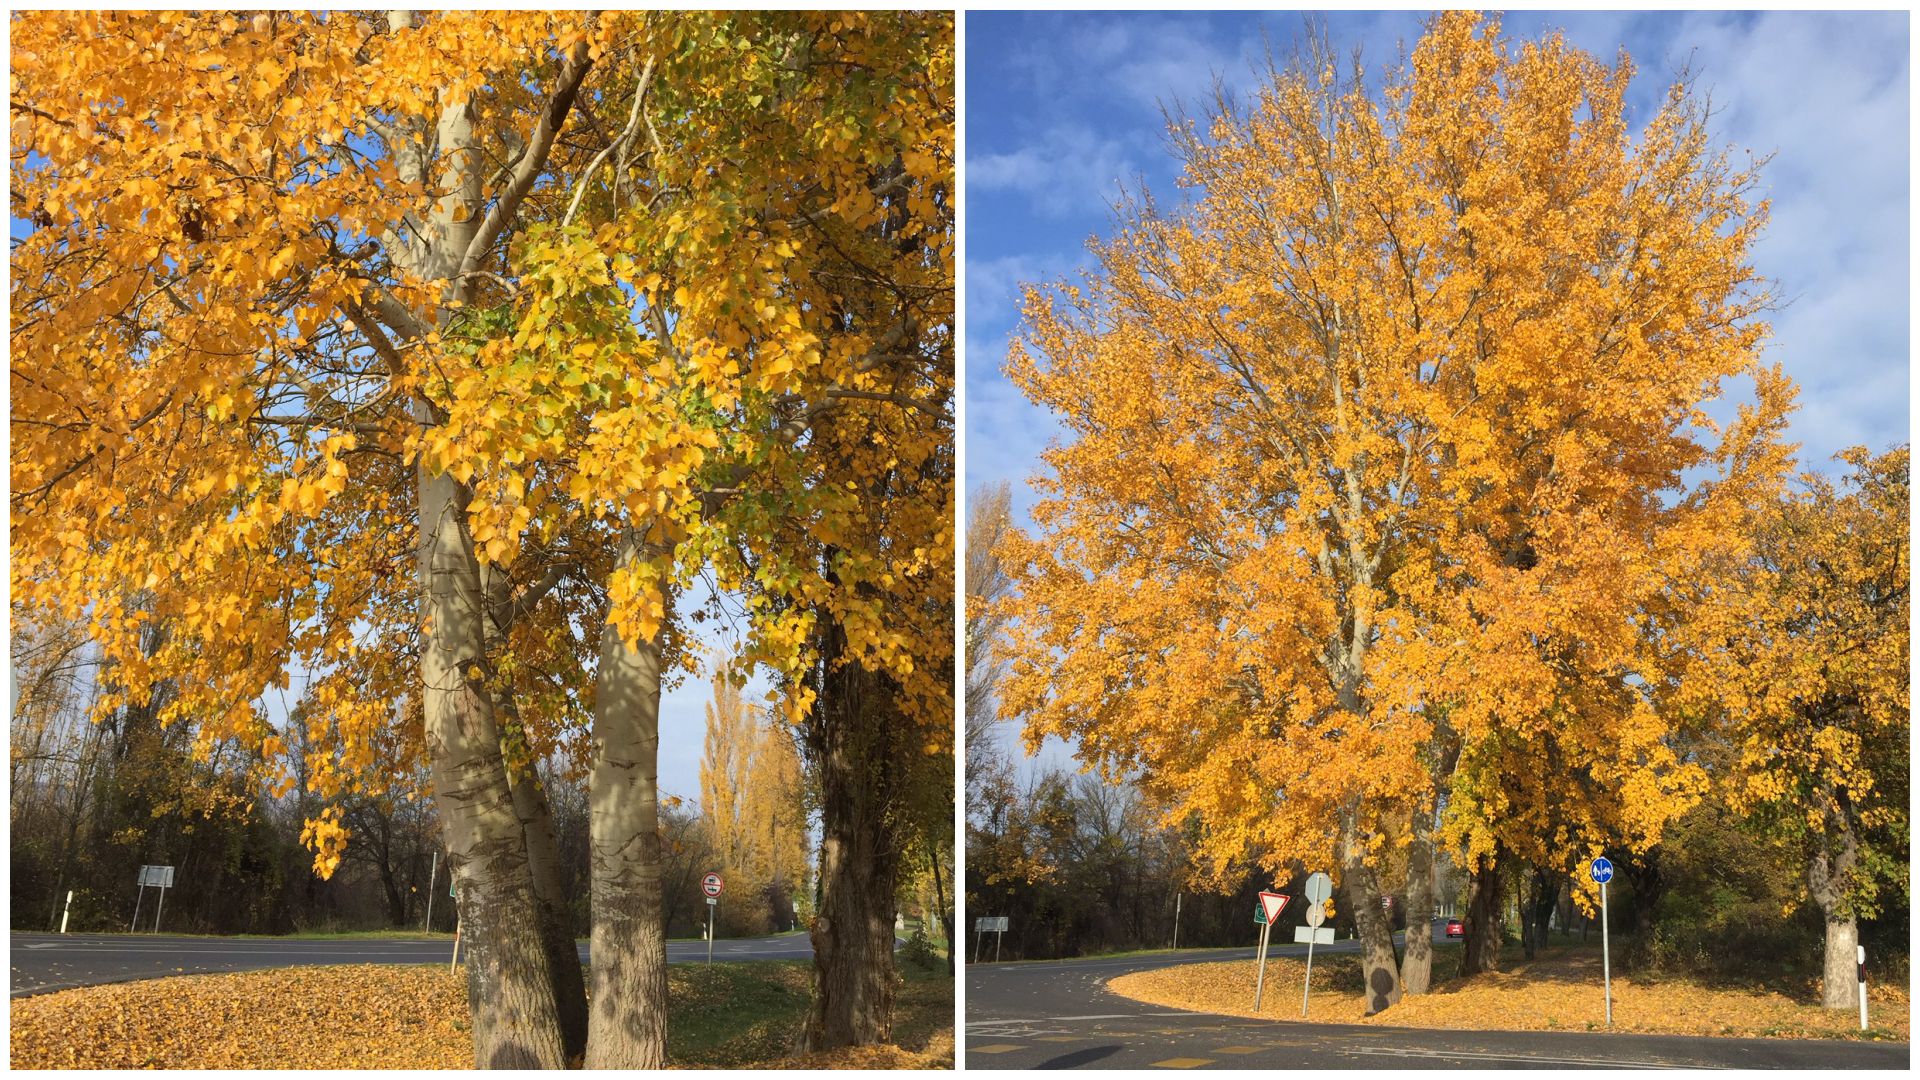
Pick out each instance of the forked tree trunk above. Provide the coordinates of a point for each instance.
(859, 864)
(1379, 967)
(1416, 965)
(628, 1026)
(509, 974)
(1485, 929)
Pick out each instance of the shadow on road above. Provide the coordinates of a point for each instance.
(1078, 1058)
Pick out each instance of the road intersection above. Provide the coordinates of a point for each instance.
(1060, 1015)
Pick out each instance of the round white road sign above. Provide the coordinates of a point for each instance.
(711, 884)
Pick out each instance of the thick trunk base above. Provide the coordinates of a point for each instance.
(1840, 977)
(1485, 922)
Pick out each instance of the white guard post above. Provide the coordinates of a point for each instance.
(1859, 956)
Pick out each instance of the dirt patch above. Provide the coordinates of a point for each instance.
(1554, 993)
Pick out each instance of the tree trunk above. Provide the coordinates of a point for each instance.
(1416, 966)
(946, 913)
(1539, 912)
(1485, 929)
(556, 915)
(1378, 965)
(628, 1028)
(1829, 872)
(509, 977)
(860, 862)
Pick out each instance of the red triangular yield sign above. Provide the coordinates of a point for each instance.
(1275, 904)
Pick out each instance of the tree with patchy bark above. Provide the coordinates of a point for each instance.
(1799, 655)
(1379, 453)
(428, 355)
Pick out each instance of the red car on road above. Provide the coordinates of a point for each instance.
(1456, 928)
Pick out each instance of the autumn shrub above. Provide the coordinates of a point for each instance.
(919, 951)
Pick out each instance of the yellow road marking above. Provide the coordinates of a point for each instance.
(995, 1048)
(1237, 1050)
(1182, 1063)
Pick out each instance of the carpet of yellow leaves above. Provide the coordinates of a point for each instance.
(374, 1016)
(1556, 992)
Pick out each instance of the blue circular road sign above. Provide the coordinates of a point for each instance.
(1602, 870)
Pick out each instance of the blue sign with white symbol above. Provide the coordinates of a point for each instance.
(1602, 870)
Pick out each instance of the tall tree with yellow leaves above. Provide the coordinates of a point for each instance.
(753, 800)
(426, 354)
(1798, 656)
(1377, 451)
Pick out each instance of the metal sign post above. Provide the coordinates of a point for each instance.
(712, 886)
(433, 875)
(1260, 978)
(1602, 871)
(1271, 905)
(985, 924)
(1319, 890)
(1176, 920)
(455, 962)
(160, 877)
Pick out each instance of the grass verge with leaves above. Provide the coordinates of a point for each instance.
(1560, 991)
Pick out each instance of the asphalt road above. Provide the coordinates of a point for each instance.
(1059, 1015)
(46, 962)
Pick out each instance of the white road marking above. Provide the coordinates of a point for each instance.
(1470, 1055)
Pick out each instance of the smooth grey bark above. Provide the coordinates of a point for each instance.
(627, 1027)
(514, 987)
(1829, 871)
(509, 974)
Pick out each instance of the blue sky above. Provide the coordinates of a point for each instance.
(1061, 105)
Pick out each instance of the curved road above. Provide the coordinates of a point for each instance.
(47, 962)
(1060, 1015)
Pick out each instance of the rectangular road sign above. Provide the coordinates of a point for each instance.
(1319, 935)
(161, 876)
(990, 924)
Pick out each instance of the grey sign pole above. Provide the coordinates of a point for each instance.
(1260, 978)
(433, 875)
(713, 906)
(134, 926)
(158, 908)
(1319, 890)
(1602, 872)
(1606, 956)
(1177, 897)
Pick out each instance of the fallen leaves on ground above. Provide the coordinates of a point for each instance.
(1557, 992)
(380, 1016)
(361, 1016)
